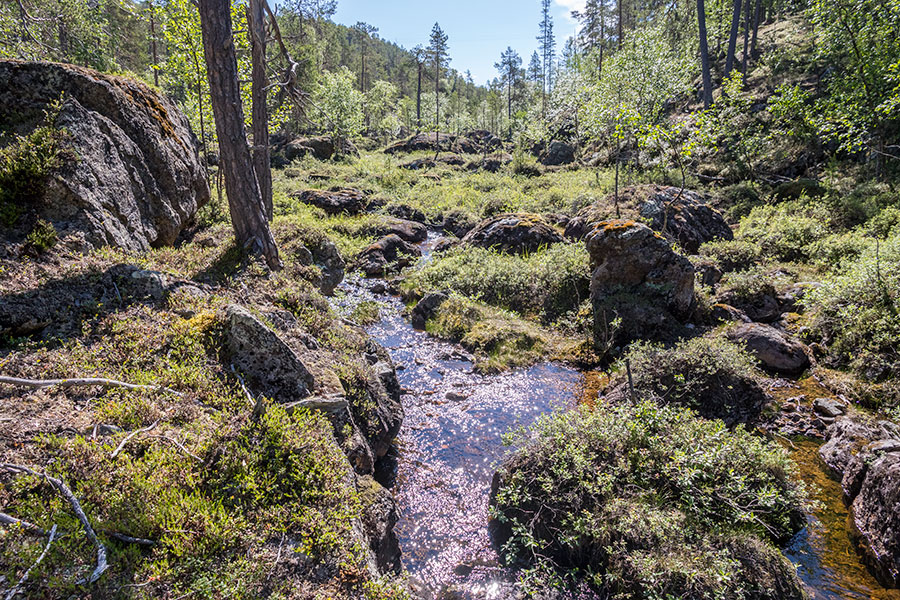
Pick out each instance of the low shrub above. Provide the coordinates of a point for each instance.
(732, 255)
(709, 374)
(857, 312)
(784, 232)
(646, 501)
(545, 285)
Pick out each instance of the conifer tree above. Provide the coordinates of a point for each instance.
(438, 52)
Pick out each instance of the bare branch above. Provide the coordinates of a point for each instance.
(177, 445)
(29, 527)
(106, 383)
(15, 590)
(121, 445)
(127, 539)
(63, 489)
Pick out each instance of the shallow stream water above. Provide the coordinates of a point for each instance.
(451, 442)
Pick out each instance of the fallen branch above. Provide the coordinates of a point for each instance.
(127, 539)
(106, 383)
(63, 489)
(15, 590)
(127, 439)
(29, 527)
(178, 445)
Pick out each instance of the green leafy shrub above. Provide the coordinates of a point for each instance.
(642, 501)
(784, 232)
(732, 255)
(42, 237)
(545, 285)
(24, 166)
(857, 312)
(713, 376)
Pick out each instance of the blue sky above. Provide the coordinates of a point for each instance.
(478, 30)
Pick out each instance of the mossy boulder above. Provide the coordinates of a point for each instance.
(513, 233)
(132, 177)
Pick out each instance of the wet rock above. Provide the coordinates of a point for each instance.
(558, 153)
(335, 201)
(517, 233)
(269, 365)
(426, 308)
(638, 281)
(405, 212)
(866, 455)
(131, 175)
(329, 259)
(774, 349)
(387, 254)
(408, 231)
(445, 244)
(829, 407)
(379, 518)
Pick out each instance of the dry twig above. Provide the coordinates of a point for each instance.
(15, 590)
(107, 383)
(127, 439)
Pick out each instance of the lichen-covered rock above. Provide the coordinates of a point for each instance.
(270, 366)
(335, 201)
(866, 456)
(388, 253)
(405, 212)
(328, 259)
(774, 349)
(640, 287)
(136, 180)
(286, 150)
(515, 233)
(684, 217)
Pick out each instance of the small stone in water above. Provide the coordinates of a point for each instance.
(456, 397)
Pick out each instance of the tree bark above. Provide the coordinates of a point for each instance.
(745, 57)
(244, 199)
(756, 19)
(732, 38)
(419, 100)
(704, 54)
(256, 20)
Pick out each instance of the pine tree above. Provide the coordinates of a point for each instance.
(439, 54)
(535, 72)
(509, 66)
(547, 45)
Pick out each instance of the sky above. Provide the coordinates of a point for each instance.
(478, 30)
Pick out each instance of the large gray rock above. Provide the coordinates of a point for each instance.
(408, 231)
(640, 287)
(686, 217)
(335, 201)
(774, 349)
(387, 254)
(515, 233)
(136, 179)
(558, 153)
(866, 456)
(270, 366)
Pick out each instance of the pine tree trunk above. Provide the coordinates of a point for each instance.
(732, 38)
(756, 19)
(419, 102)
(244, 199)
(746, 61)
(260, 113)
(704, 54)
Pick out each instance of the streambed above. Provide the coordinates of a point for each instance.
(451, 440)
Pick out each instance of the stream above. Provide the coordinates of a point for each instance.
(452, 439)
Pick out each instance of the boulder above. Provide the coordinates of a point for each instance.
(638, 279)
(761, 305)
(426, 308)
(865, 454)
(775, 350)
(408, 231)
(270, 366)
(328, 258)
(388, 253)
(685, 216)
(517, 233)
(793, 190)
(558, 153)
(132, 177)
(491, 164)
(422, 142)
(335, 201)
(405, 212)
(459, 222)
(287, 150)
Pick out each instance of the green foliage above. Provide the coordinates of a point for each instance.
(24, 166)
(786, 231)
(545, 285)
(856, 310)
(340, 105)
(732, 255)
(643, 501)
(42, 237)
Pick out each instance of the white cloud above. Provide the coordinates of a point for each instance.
(571, 5)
